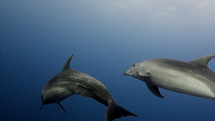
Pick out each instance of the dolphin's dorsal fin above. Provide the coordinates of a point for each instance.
(67, 64)
(203, 61)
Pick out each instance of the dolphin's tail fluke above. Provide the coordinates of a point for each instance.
(115, 111)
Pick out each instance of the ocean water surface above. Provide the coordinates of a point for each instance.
(106, 38)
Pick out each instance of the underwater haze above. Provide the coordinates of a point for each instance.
(106, 38)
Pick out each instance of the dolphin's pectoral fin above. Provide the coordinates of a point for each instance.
(143, 74)
(202, 61)
(64, 110)
(154, 90)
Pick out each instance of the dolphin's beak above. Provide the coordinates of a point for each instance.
(125, 72)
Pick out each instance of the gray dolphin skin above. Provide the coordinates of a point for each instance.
(70, 82)
(193, 78)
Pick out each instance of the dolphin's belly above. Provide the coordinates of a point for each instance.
(183, 82)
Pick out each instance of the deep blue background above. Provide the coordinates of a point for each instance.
(106, 37)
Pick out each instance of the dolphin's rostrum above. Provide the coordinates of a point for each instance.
(194, 77)
(70, 82)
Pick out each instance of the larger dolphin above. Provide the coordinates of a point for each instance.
(69, 82)
(194, 77)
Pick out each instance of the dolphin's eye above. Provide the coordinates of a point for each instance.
(133, 65)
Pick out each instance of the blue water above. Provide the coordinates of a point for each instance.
(106, 37)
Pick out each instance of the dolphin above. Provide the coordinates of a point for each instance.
(70, 82)
(192, 78)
